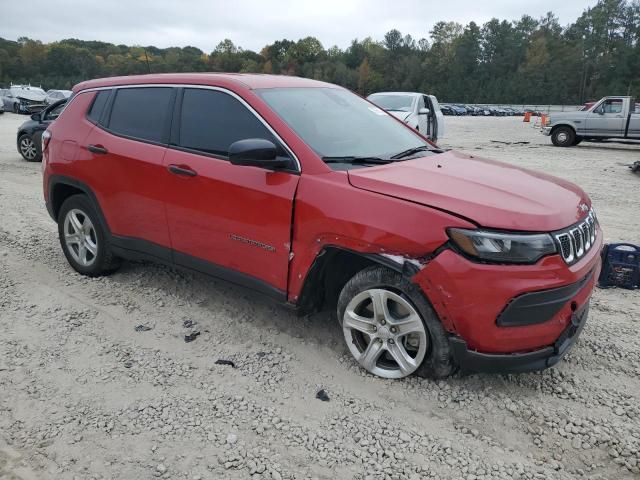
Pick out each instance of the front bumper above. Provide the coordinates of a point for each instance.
(546, 131)
(508, 313)
(472, 361)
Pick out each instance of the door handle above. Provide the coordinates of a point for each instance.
(183, 170)
(99, 149)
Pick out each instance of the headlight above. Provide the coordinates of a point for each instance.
(501, 247)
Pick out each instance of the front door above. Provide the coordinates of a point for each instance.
(607, 119)
(424, 125)
(227, 220)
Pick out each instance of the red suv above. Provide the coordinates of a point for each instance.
(306, 192)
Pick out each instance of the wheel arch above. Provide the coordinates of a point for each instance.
(62, 187)
(332, 268)
(568, 125)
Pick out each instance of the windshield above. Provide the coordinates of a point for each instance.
(400, 103)
(337, 123)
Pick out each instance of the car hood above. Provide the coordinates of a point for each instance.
(572, 116)
(32, 96)
(400, 115)
(489, 193)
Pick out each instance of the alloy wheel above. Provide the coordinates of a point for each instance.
(28, 148)
(80, 237)
(385, 333)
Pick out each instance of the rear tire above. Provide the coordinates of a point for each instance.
(563, 137)
(402, 302)
(83, 239)
(578, 141)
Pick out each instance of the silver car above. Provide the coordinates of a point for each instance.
(55, 95)
(23, 99)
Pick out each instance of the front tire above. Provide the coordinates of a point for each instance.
(16, 108)
(390, 328)
(83, 239)
(29, 149)
(563, 137)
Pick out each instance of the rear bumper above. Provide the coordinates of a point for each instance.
(472, 361)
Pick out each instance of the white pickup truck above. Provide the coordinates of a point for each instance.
(611, 117)
(417, 110)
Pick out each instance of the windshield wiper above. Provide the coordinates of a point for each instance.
(352, 159)
(414, 150)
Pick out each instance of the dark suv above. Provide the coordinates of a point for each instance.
(29, 137)
(304, 191)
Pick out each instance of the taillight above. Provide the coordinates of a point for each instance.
(46, 136)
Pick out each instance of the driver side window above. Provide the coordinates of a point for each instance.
(211, 121)
(610, 106)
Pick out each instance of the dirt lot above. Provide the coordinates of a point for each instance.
(83, 395)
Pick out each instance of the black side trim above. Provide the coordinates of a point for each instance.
(232, 276)
(472, 361)
(538, 307)
(137, 249)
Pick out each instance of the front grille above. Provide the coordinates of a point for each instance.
(575, 241)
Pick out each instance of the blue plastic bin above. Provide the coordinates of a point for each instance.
(620, 266)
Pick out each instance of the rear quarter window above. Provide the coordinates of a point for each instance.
(141, 113)
(97, 107)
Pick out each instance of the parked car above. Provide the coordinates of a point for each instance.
(29, 137)
(447, 110)
(304, 191)
(459, 110)
(54, 96)
(417, 110)
(611, 117)
(23, 99)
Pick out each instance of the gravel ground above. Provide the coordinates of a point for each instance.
(83, 395)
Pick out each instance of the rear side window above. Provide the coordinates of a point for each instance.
(211, 121)
(141, 112)
(97, 107)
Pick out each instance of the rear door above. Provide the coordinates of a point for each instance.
(126, 150)
(607, 119)
(227, 220)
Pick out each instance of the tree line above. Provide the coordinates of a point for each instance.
(524, 61)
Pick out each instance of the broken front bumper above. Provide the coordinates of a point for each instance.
(472, 361)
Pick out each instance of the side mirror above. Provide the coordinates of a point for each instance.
(256, 152)
(424, 111)
(36, 117)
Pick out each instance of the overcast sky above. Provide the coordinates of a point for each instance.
(254, 23)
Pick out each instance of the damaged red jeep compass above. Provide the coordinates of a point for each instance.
(306, 192)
